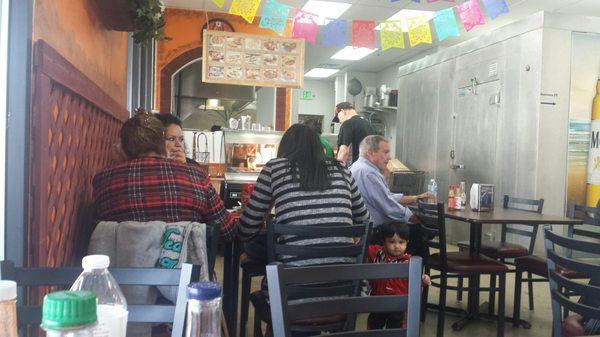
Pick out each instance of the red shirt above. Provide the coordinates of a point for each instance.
(152, 188)
(396, 286)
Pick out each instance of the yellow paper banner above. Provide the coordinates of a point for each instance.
(219, 3)
(418, 30)
(391, 35)
(245, 8)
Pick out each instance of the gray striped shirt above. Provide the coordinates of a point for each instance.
(339, 204)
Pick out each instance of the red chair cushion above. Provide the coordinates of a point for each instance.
(573, 326)
(465, 263)
(537, 265)
(498, 250)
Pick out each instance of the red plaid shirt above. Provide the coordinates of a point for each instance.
(152, 188)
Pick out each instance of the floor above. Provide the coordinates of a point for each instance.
(540, 318)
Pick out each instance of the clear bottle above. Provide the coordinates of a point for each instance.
(432, 188)
(112, 306)
(463, 196)
(457, 197)
(8, 309)
(69, 314)
(203, 310)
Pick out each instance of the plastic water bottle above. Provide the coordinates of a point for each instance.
(203, 310)
(69, 314)
(112, 306)
(432, 188)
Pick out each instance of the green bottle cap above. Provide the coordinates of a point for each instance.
(68, 309)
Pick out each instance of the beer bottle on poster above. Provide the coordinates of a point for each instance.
(593, 172)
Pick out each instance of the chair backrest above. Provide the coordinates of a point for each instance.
(30, 315)
(527, 231)
(280, 249)
(590, 217)
(433, 224)
(284, 313)
(562, 288)
(212, 245)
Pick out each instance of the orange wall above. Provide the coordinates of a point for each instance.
(74, 30)
(183, 27)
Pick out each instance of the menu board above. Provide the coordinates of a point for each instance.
(247, 59)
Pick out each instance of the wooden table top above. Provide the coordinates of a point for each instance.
(501, 215)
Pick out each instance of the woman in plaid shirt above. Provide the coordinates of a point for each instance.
(150, 187)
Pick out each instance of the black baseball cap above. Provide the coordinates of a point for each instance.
(340, 107)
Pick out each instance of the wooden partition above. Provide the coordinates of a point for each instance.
(74, 126)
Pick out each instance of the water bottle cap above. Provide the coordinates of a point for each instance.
(95, 262)
(203, 290)
(68, 309)
(8, 290)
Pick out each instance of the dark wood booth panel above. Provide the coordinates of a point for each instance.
(74, 126)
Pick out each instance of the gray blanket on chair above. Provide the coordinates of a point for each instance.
(150, 244)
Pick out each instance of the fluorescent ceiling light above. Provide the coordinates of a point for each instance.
(326, 10)
(352, 53)
(408, 13)
(321, 72)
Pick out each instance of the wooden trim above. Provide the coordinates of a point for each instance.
(46, 60)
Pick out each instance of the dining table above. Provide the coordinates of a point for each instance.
(497, 216)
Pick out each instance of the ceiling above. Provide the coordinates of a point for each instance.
(380, 10)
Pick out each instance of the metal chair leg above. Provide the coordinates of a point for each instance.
(492, 297)
(501, 303)
(459, 290)
(245, 302)
(257, 326)
(530, 284)
(442, 304)
(517, 299)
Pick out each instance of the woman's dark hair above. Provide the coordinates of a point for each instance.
(168, 119)
(401, 229)
(302, 147)
(314, 124)
(141, 134)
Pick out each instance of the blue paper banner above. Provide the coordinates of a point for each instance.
(274, 16)
(495, 7)
(445, 24)
(334, 33)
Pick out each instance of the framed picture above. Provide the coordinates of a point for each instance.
(247, 59)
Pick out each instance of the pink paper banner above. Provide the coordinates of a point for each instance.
(470, 14)
(363, 34)
(305, 26)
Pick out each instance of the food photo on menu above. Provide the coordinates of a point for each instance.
(233, 57)
(215, 71)
(271, 60)
(233, 72)
(252, 59)
(234, 42)
(253, 74)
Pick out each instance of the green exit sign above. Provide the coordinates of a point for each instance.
(307, 94)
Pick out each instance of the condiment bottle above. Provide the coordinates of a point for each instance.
(8, 309)
(451, 202)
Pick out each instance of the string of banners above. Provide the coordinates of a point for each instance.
(275, 16)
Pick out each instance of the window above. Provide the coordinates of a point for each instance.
(3, 112)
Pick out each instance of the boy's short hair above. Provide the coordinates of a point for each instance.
(390, 229)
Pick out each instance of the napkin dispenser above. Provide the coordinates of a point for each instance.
(482, 197)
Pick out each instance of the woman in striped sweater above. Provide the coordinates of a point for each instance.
(306, 188)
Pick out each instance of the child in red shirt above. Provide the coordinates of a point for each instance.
(395, 237)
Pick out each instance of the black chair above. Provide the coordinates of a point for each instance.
(212, 247)
(30, 315)
(278, 251)
(454, 264)
(562, 288)
(505, 249)
(286, 283)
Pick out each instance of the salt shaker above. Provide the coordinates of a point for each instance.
(204, 310)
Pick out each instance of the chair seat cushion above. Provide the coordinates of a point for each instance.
(262, 308)
(497, 249)
(537, 265)
(465, 263)
(573, 326)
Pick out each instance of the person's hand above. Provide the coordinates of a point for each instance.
(426, 280)
(425, 196)
(178, 155)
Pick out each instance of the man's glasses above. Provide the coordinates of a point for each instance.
(175, 138)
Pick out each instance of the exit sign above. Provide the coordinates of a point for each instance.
(307, 94)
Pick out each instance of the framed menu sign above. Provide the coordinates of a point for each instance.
(247, 59)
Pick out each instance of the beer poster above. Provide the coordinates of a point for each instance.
(247, 59)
